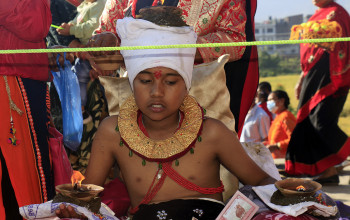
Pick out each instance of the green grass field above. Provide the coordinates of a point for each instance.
(287, 83)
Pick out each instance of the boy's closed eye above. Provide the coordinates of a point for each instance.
(145, 81)
(173, 82)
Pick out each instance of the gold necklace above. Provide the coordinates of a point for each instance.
(165, 150)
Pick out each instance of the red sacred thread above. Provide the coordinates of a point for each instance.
(187, 184)
(151, 193)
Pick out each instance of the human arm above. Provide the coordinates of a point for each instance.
(264, 126)
(100, 162)
(64, 29)
(287, 125)
(233, 157)
(229, 26)
(84, 30)
(68, 211)
(102, 156)
(52, 57)
(298, 86)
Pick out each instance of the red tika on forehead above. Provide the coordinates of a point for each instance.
(157, 74)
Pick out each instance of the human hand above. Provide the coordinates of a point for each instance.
(298, 86)
(105, 39)
(297, 90)
(76, 44)
(65, 30)
(53, 57)
(68, 212)
(94, 74)
(198, 57)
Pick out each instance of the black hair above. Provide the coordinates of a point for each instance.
(265, 90)
(282, 95)
(265, 86)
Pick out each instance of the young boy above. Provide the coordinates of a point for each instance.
(168, 153)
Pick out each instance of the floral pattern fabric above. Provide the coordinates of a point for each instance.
(215, 21)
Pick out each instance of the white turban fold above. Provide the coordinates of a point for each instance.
(138, 32)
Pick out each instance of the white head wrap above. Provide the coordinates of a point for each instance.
(138, 32)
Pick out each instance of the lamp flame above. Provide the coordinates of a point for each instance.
(77, 178)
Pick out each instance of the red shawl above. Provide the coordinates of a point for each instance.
(339, 57)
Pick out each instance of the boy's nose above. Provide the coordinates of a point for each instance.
(158, 89)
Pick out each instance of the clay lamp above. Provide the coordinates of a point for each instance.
(297, 187)
(77, 190)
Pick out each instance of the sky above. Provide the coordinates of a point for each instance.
(284, 8)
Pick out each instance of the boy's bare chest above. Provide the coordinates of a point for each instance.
(198, 167)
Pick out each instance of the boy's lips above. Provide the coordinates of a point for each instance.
(156, 107)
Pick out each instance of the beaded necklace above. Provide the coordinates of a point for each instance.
(166, 150)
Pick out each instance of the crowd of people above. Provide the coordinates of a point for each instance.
(167, 153)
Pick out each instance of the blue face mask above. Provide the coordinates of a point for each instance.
(271, 105)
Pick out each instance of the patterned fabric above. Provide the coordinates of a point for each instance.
(179, 209)
(339, 57)
(214, 21)
(242, 76)
(317, 142)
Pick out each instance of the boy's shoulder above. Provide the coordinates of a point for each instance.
(109, 125)
(214, 128)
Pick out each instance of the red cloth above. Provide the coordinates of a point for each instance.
(20, 160)
(60, 163)
(24, 25)
(339, 57)
(116, 197)
(76, 3)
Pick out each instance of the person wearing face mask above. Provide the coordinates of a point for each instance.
(282, 126)
(263, 91)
